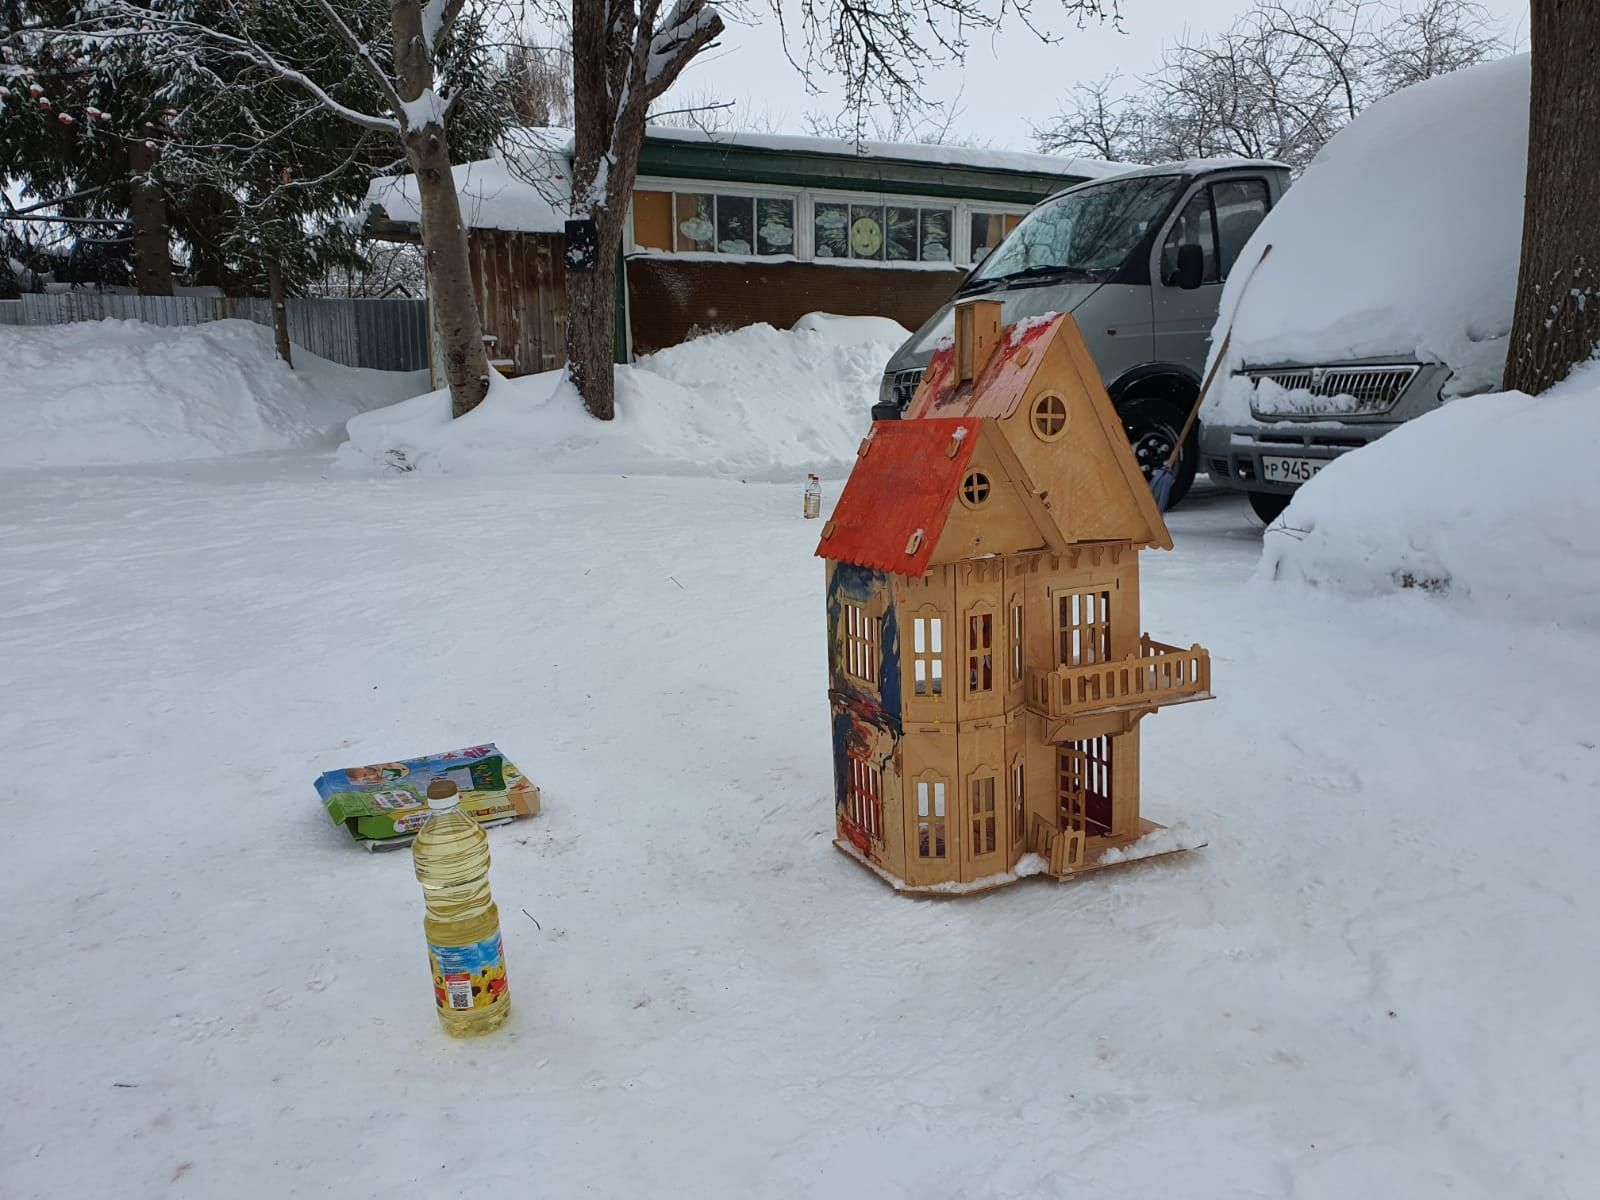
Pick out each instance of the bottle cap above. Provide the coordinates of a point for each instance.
(442, 794)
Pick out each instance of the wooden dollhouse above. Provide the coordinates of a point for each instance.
(987, 674)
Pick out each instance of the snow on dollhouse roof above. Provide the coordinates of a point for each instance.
(895, 503)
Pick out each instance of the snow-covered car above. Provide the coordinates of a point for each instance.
(1387, 289)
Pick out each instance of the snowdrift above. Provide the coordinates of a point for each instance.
(1489, 502)
(756, 403)
(1401, 238)
(128, 392)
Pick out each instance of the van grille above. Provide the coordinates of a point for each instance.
(1333, 391)
(905, 385)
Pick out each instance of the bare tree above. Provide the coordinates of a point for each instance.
(1278, 83)
(408, 52)
(538, 84)
(627, 53)
(1556, 322)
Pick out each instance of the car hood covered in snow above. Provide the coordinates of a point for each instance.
(1400, 240)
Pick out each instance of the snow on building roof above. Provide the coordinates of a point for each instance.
(495, 192)
(896, 501)
(956, 156)
(500, 192)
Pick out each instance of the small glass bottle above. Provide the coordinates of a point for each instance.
(813, 506)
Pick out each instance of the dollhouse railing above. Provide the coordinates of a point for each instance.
(1159, 674)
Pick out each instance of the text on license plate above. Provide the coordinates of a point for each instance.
(1290, 470)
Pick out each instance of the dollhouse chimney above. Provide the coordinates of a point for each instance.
(977, 334)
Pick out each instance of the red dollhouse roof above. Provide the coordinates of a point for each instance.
(901, 488)
(998, 387)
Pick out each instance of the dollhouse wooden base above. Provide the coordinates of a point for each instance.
(1095, 850)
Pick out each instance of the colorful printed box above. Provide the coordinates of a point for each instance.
(386, 802)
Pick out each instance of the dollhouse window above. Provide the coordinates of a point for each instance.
(980, 652)
(860, 644)
(1083, 626)
(1018, 807)
(927, 656)
(1016, 641)
(1085, 785)
(975, 489)
(930, 819)
(1049, 417)
(865, 799)
(984, 817)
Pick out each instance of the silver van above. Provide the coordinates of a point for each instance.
(1139, 260)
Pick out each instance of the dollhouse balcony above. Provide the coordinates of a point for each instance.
(1158, 675)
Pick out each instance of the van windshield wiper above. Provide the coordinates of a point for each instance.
(1042, 271)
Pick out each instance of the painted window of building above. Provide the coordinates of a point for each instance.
(881, 233)
(989, 230)
(864, 803)
(860, 643)
(984, 817)
(1084, 785)
(980, 652)
(1083, 627)
(1019, 808)
(930, 819)
(927, 656)
(713, 223)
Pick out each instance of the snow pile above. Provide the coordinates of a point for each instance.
(1401, 238)
(128, 392)
(1489, 501)
(757, 403)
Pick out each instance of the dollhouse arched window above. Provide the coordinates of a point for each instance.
(980, 651)
(985, 815)
(927, 654)
(1019, 808)
(1049, 417)
(931, 822)
(860, 639)
(865, 798)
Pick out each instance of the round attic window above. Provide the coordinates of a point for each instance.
(975, 489)
(1049, 416)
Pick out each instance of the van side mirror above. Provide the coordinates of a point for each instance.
(1191, 271)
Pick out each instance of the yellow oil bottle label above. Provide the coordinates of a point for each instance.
(467, 977)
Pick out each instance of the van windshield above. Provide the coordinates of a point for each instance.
(1088, 231)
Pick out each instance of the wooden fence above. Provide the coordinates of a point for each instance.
(386, 335)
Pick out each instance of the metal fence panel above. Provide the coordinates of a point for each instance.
(386, 335)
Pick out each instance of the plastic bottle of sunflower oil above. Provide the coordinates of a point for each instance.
(451, 859)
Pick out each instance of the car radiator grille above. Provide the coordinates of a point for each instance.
(905, 385)
(1346, 391)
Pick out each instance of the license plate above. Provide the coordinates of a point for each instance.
(1290, 470)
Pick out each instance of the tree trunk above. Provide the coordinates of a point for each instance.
(280, 310)
(444, 236)
(147, 211)
(1557, 318)
(592, 328)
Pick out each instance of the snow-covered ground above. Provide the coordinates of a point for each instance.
(1374, 981)
(754, 403)
(125, 392)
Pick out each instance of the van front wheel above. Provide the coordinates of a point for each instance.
(1152, 424)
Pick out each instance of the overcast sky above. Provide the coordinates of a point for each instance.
(1010, 81)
